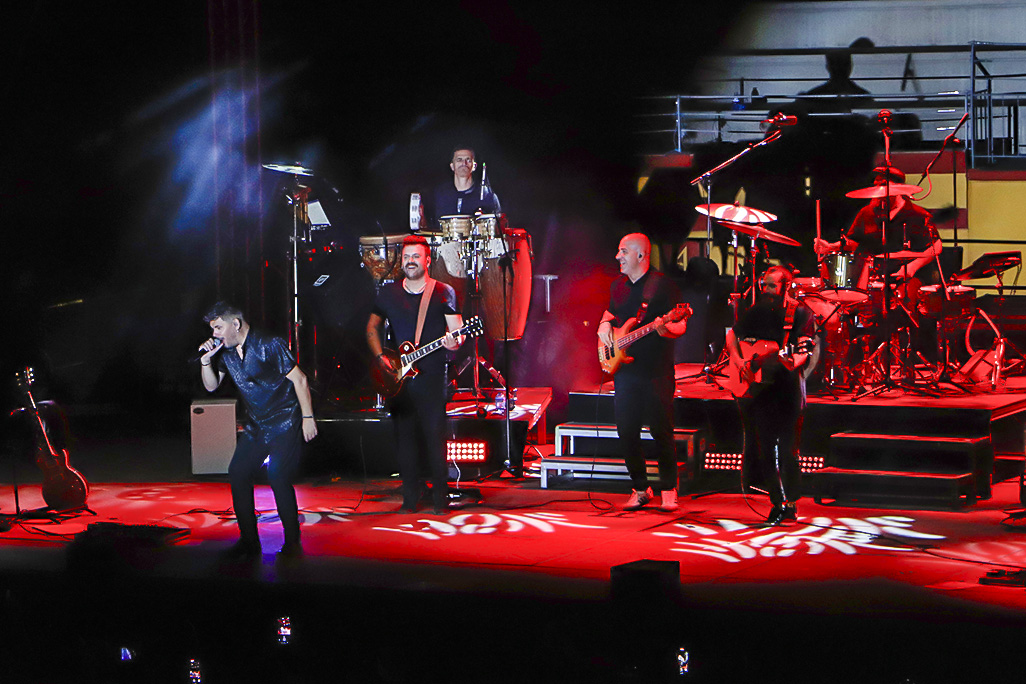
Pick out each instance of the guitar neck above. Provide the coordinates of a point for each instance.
(421, 352)
(635, 335)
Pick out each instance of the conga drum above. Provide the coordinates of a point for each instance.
(447, 265)
(456, 227)
(506, 275)
(382, 256)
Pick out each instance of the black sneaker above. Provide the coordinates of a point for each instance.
(290, 551)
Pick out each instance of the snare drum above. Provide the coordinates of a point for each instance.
(456, 227)
(382, 256)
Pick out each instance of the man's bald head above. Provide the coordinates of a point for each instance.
(634, 255)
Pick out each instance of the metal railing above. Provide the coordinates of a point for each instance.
(988, 80)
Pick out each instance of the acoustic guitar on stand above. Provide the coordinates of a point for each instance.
(612, 357)
(390, 382)
(64, 488)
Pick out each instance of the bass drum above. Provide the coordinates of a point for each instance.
(507, 270)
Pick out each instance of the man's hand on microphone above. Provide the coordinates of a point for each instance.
(210, 347)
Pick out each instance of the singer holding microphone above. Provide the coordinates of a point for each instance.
(276, 395)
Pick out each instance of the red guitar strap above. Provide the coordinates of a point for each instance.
(425, 299)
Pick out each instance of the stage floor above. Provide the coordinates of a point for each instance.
(521, 579)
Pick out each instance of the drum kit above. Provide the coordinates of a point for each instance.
(861, 314)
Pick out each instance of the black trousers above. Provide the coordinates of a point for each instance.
(418, 414)
(285, 451)
(637, 401)
(772, 424)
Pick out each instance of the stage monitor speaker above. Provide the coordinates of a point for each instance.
(213, 435)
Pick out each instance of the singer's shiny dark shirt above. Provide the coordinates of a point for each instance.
(270, 397)
(448, 201)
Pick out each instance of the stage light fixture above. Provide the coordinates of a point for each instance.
(722, 461)
(466, 451)
(810, 464)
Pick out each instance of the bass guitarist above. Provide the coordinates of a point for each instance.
(644, 387)
(771, 409)
(418, 410)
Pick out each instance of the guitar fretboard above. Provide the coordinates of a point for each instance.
(420, 353)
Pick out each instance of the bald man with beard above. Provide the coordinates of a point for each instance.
(644, 388)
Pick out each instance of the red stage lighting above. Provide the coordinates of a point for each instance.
(466, 451)
(717, 461)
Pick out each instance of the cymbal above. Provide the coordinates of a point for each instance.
(736, 213)
(874, 191)
(289, 168)
(760, 233)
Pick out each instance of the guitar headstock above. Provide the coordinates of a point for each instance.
(678, 313)
(473, 327)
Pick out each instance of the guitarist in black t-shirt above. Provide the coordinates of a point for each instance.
(418, 410)
(771, 410)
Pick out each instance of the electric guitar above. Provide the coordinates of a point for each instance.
(612, 357)
(390, 381)
(760, 354)
(64, 488)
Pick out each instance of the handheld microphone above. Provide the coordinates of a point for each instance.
(884, 116)
(219, 347)
(484, 178)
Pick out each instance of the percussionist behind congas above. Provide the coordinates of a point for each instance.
(910, 234)
(464, 196)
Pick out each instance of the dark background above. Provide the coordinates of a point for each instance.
(133, 195)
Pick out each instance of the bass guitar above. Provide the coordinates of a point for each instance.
(64, 488)
(390, 381)
(760, 355)
(614, 356)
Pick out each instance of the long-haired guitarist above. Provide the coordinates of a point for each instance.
(772, 406)
(644, 386)
(418, 410)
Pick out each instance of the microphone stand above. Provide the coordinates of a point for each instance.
(706, 180)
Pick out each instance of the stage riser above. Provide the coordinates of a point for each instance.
(722, 424)
(719, 420)
(367, 444)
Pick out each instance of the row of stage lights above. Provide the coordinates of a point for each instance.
(726, 461)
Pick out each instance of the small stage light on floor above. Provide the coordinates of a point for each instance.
(809, 464)
(195, 675)
(722, 461)
(466, 451)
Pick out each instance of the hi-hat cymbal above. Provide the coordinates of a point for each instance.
(758, 232)
(875, 191)
(290, 168)
(735, 213)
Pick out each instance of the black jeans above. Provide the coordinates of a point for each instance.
(772, 424)
(641, 400)
(285, 451)
(418, 413)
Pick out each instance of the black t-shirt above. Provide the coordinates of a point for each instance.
(401, 308)
(270, 397)
(911, 223)
(767, 320)
(448, 201)
(653, 354)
